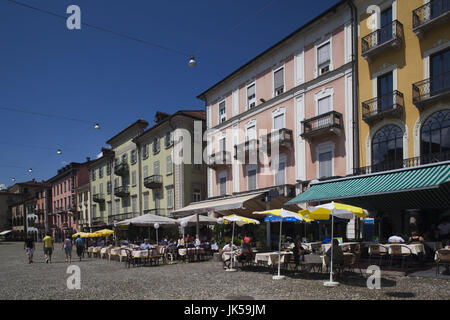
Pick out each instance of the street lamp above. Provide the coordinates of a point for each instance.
(192, 62)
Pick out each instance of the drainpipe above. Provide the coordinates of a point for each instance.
(355, 120)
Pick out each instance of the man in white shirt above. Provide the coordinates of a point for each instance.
(396, 239)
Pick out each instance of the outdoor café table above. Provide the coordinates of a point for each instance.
(271, 257)
(114, 252)
(416, 249)
(312, 246)
(344, 246)
(313, 260)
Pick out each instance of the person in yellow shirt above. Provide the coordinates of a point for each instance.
(48, 248)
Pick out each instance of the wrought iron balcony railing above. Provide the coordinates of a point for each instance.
(121, 169)
(156, 211)
(430, 15)
(122, 191)
(389, 36)
(406, 163)
(247, 151)
(99, 198)
(283, 137)
(153, 182)
(120, 217)
(219, 159)
(388, 105)
(330, 122)
(430, 90)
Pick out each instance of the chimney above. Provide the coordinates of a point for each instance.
(161, 116)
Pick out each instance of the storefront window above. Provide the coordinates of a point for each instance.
(387, 148)
(435, 136)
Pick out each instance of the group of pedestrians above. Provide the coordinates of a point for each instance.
(49, 246)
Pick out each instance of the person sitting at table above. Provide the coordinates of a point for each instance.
(214, 246)
(415, 238)
(197, 242)
(396, 239)
(228, 246)
(298, 251)
(145, 245)
(338, 254)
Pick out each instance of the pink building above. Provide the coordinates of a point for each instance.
(298, 93)
(64, 217)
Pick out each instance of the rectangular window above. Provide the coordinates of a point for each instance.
(100, 172)
(133, 178)
(385, 88)
(133, 156)
(108, 169)
(324, 105)
(280, 173)
(325, 164)
(117, 211)
(108, 187)
(278, 122)
(124, 158)
(168, 139)
(93, 190)
(65, 186)
(157, 197)
(101, 188)
(116, 182)
(156, 168)
(94, 210)
(251, 96)
(196, 195)
(145, 151)
(278, 82)
(251, 133)
(93, 175)
(169, 165)
(223, 186)
(324, 58)
(170, 198)
(145, 171)
(222, 144)
(109, 208)
(134, 205)
(146, 201)
(222, 112)
(251, 178)
(156, 145)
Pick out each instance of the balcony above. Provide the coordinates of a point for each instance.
(330, 122)
(121, 191)
(119, 217)
(121, 169)
(389, 105)
(430, 90)
(220, 159)
(281, 137)
(153, 182)
(247, 152)
(386, 38)
(406, 163)
(430, 15)
(99, 198)
(156, 211)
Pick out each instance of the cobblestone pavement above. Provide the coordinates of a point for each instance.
(103, 279)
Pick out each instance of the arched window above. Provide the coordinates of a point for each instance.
(435, 137)
(387, 148)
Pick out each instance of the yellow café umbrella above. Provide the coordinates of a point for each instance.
(81, 234)
(282, 213)
(103, 233)
(331, 210)
(240, 221)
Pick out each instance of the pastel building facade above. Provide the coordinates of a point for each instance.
(297, 95)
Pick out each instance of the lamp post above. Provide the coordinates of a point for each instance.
(156, 226)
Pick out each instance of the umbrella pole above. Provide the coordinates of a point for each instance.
(331, 283)
(232, 257)
(279, 277)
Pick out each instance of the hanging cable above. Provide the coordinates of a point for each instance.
(119, 34)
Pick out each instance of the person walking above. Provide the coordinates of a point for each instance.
(48, 248)
(67, 247)
(80, 246)
(29, 248)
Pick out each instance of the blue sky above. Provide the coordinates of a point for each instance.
(94, 76)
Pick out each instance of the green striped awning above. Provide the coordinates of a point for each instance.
(420, 187)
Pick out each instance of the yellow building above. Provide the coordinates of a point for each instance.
(404, 83)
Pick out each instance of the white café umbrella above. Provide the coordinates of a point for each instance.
(240, 221)
(282, 213)
(323, 212)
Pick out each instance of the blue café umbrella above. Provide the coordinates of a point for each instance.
(274, 219)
